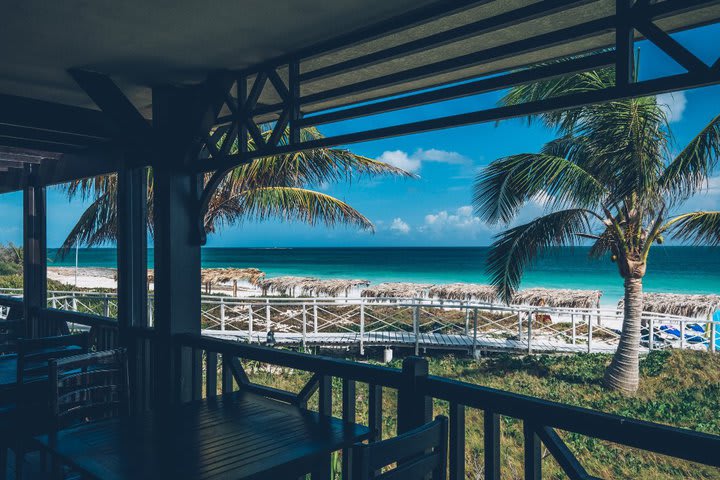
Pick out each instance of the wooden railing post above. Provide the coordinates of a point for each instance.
(315, 316)
(651, 334)
(457, 441)
(348, 415)
(533, 452)
(322, 470)
(414, 407)
(267, 316)
(574, 328)
(589, 324)
(713, 336)
(492, 445)
(304, 326)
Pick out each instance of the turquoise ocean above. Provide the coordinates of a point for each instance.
(677, 269)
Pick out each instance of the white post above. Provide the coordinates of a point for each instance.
(74, 302)
(267, 316)
(315, 316)
(362, 327)
(474, 347)
(589, 323)
(54, 302)
(529, 331)
(106, 306)
(416, 329)
(574, 328)
(467, 319)
(304, 326)
(250, 323)
(651, 340)
(713, 336)
(520, 329)
(222, 314)
(682, 335)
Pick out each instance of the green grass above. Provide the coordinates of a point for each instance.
(679, 388)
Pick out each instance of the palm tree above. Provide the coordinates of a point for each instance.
(276, 186)
(607, 178)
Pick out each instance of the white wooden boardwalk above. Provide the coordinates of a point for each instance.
(439, 341)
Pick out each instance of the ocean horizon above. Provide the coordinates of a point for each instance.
(676, 269)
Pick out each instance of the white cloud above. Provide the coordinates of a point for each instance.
(674, 104)
(461, 223)
(413, 162)
(400, 226)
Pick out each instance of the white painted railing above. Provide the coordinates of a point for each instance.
(418, 323)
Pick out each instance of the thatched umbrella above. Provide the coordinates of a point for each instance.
(693, 306)
(285, 285)
(214, 276)
(289, 285)
(397, 290)
(464, 291)
(558, 297)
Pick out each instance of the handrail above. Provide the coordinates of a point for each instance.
(654, 437)
(77, 317)
(336, 367)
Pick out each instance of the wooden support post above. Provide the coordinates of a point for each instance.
(467, 319)
(34, 253)
(267, 315)
(492, 445)
(713, 336)
(304, 327)
(362, 327)
(414, 408)
(589, 324)
(651, 334)
(574, 328)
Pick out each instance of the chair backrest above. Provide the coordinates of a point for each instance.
(10, 332)
(420, 453)
(89, 387)
(33, 354)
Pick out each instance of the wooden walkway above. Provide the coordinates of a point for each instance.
(539, 344)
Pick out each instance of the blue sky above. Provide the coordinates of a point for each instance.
(434, 209)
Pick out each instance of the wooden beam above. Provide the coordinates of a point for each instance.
(43, 116)
(128, 124)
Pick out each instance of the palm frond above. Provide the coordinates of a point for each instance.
(688, 173)
(698, 228)
(291, 203)
(518, 247)
(97, 225)
(505, 185)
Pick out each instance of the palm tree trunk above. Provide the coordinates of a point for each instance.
(623, 373)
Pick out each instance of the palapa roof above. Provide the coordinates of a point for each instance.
(310, 285)
(558, 297)
(464, 291)
(397, 290)
(224, 275)
(679, 304)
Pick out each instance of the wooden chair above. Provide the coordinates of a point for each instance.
(419, 453)
(12, 328)
(89, 387)
(31, 414)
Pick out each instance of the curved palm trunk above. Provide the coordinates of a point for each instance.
(623, 372)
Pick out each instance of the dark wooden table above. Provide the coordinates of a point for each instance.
(236, 436)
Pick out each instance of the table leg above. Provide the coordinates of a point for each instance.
(322, 469)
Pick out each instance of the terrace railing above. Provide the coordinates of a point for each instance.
(221, 368)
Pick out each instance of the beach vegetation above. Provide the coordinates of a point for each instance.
(11, 259)
(612, 177)
(286, 187)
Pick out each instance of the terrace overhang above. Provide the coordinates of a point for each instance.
(285, 69)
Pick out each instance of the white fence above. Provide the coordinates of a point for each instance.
(420, 324)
